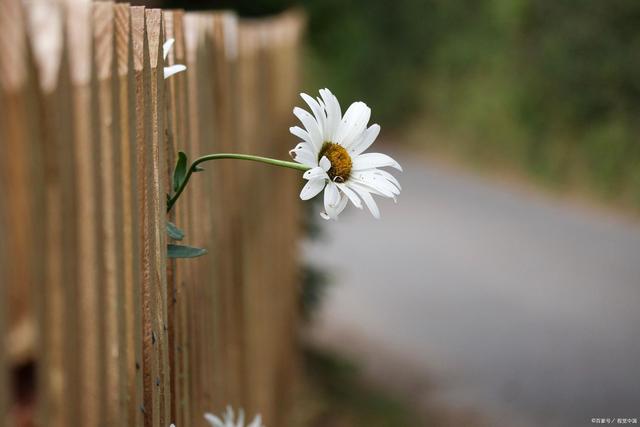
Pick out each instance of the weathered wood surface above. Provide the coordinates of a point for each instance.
(119, 334)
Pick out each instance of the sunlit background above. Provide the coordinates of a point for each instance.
(504, 287)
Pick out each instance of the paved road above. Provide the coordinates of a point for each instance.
(514, 303)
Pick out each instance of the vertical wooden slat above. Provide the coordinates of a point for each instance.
(227, 226)
(131, 333)
(255, 266)
(83, 158)
(5, 84)
(182, 135)
(170, 150)
(203, 334)
(177, 272)
(283, 72)
(110, 180)
(60, 363)
(151, 404)
(23, 208)
(157, 210)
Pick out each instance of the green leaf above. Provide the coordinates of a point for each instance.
(180, 172)
(198, 169)
(174, 232)
(181, 251)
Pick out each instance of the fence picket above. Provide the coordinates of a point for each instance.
(119, 334)
(79, 45)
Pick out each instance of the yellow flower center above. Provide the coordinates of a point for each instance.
(340, 161)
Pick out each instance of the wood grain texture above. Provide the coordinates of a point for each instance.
(119, 335)
(23, 207)
(202, 335)
(150, 356)
(131, 333)
(177, 272)
(111, 209)
(227, 231)
(155, 35)
(59, 291)
(83, 159)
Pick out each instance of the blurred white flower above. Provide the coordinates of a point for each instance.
(228, 420)
(333, 146)
(171, 69)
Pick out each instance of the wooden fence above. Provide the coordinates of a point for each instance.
(99, 328)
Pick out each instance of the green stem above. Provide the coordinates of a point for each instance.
(218, 156)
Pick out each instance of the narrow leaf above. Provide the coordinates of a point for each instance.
(180, 172)
(181, 251)
(174, 232)
(198, 169)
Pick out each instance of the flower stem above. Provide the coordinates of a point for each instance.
(218, 156)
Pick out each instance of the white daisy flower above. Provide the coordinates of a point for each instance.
(333, 147)
(229, 419)
(171, 69)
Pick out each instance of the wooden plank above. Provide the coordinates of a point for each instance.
(4, 260)
(255, 268)
(22, 211)
(177, 272)
(110, 180)
(79, 45)
(155, 35)
(131, 333)
(182, 140)
(169, 151)
(226, 225)
(150, 355)
(59, 365)
(203, 337)
(283, 66)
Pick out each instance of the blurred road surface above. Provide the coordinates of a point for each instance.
(512, 303)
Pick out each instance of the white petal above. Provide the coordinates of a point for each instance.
(311, 125)
(350, 194)
(353, 124)
(325, 164)
(315, 173)
(257, 422)
(318, 112)
(374, 183)
(334, 113)
(173, 69)
(374, 160)
(365, 141)
(368, 200)
(166, 48)
(240, 422)
(228, 416)
(302, 153)
(389, 177)
(331, 200)
(302, 134)
(213, 420)
(312, 188)
(342, 204)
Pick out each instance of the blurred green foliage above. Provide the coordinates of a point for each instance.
(551, 84)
